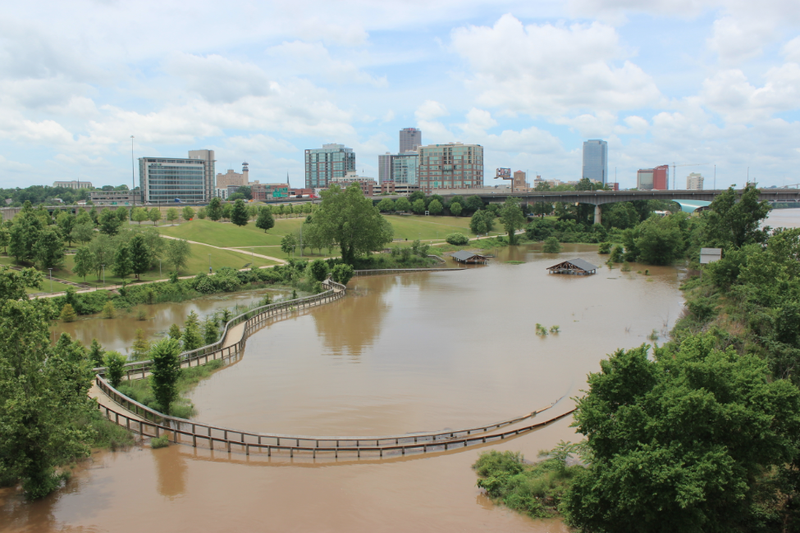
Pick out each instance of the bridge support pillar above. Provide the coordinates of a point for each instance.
(598, 215)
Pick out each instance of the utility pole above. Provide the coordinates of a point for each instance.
(133, 176)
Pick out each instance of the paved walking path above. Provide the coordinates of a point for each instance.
(239, 250)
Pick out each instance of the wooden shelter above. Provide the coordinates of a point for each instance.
(470, 258)
(573, 266)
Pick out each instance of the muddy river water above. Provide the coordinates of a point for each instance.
(401, 353)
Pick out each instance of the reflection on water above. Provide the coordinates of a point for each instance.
(434, 350)
(171, 470)
(119, 333)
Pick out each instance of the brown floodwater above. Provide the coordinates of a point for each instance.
(119, 333)
(401, 353)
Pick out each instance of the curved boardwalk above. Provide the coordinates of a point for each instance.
(148, 422)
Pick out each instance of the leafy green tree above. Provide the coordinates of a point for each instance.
(115, 367)
(318, 269)
(416, 195)
(84, 218)
(551, 246)
(473, 204)
(660, 240)
(342, 273)
(191, 337)
(457, 239)
(83, 232)
(5, 238)
(288, 244)
(265, 220)
(252, 211)
(123, 263)
(68, 313)
(733, 224)
(42, 391)
(455, 209)
(542, 208)
(227, 211)
(96, 353)
(345, 217)
(202, 213)
(187, 213)
(102, 250)
(402, 205)
(109, 311)
(154, 215)
(481, 223)
(175, 332)
(210, 331)
(66, 223)
(140, 255)
(178, 253)
(109, 223)
(386, 205)
(435, 207)
(166, 371)
(239, 215)
(172, 214)
(418, 206)
(122, 215)
(139, 215)
(49, 249)
(24, 234)
(684, 442)
(512, 218)
(141, 346)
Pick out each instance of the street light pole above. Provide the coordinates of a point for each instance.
(133, 176)
(104, 275)
(51, 280)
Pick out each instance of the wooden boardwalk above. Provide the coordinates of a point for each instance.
(150, 423)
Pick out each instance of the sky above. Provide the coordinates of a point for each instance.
(710, 86)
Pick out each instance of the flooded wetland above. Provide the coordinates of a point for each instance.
(401, 353)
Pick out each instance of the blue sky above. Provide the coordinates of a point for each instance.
(693, 82)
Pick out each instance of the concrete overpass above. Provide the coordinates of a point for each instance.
(598, 198)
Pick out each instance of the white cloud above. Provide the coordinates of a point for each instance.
(597, 125)
(218, 79)
(313, 59)
(429, 110)
(730, 94)
(735, 40)
(792, 50)
(550, 70)
(478, 121)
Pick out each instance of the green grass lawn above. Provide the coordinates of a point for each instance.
(228, 235)
(430, 228)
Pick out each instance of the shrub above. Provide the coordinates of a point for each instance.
(68, 313)
(342, 273)
(604, 248)
(159, 442)
(551, 246)
(457, 239)
(115, 367)
(109, 311)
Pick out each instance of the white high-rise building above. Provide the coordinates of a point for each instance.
(694, 182)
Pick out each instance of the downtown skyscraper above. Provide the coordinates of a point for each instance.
(595, 160)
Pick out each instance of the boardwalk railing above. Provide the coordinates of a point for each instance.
(149, 422)
(254, 319)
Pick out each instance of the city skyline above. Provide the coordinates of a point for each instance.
(697, 83)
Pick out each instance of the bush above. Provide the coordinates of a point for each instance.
(67, 313)
(109, 311)
(604, 248)
(159, 442)
(457, 239)
(342, 273)
(551, 246)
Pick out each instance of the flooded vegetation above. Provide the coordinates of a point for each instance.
(400, 353)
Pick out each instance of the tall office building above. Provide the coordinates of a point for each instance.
(405, 168)
(450, 166)
(165, 179)
(653, 179)
(410, 139)
(324, 164)
(595, 160)
(207, 156)
(385, 168)
(694, 182)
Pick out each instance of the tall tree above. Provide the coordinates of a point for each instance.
(123, 264)
(140, 214)
(49, 249)
(681, 443)
(102, 250)
(66, 223)
(402, 204)
(265, 220)
(178, 253)
(239, 215)
(512, 218)
(24, 233)
(154, 215)
(109, 222)
(42, 391)
(733, 224)
(83, 232)
(191, 337)
(172, 214)
(345, 217)
(435, 207)
(187, 213)
(166, 371)
(140, 255)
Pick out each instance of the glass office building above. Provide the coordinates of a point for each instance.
(595, 160)
(166, 179)
(324, 164)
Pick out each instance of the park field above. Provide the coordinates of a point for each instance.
(228, 235)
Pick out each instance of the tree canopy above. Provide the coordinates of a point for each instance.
(347, 219)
